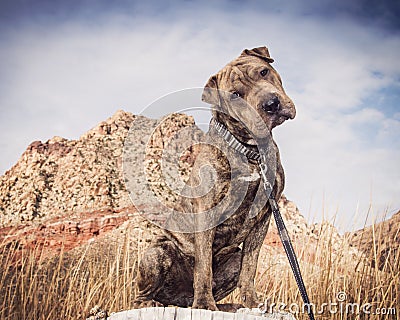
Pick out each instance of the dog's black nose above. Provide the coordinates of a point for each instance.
(272, 105)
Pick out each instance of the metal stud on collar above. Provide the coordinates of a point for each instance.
(233, 142)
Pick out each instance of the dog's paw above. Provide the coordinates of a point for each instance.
(229, 307)
(250, 299)
(208, 304)
(138, 304)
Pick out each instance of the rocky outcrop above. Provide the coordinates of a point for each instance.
(61, 176)
(380, 242)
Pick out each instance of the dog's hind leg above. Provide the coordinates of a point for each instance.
(153, 268)
(163, 271)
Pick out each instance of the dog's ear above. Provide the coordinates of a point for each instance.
(210, 93)
(260, 52)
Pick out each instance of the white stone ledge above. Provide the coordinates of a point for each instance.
(171, 313)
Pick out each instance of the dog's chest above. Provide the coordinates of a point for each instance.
(234, 230)
(252, 212)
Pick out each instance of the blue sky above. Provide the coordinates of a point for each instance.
(67, 65)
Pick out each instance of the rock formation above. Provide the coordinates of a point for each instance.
(380, 242)
(64, 176)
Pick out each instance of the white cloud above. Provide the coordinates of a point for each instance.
(64, 78)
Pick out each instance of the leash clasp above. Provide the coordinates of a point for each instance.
(263, 172)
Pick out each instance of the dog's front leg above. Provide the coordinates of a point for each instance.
(251, 250)
(203, 275)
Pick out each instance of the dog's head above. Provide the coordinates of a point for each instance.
(246, 89)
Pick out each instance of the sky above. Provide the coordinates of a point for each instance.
(68, 65)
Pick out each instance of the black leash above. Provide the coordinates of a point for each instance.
(286, 242)
(283, 233)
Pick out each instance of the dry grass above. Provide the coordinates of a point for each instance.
(66, 286)
(338, 283)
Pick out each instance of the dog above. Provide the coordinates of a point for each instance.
(200, 268)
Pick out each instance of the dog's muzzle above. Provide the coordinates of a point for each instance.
(274, 106)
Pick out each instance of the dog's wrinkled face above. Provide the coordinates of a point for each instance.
(250, 82)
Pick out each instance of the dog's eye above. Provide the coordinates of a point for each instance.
(235, 95)
(264, 72)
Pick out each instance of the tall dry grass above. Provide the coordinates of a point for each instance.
(340, 286)
(66, 286)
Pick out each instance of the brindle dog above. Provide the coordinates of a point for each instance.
(197, 269)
